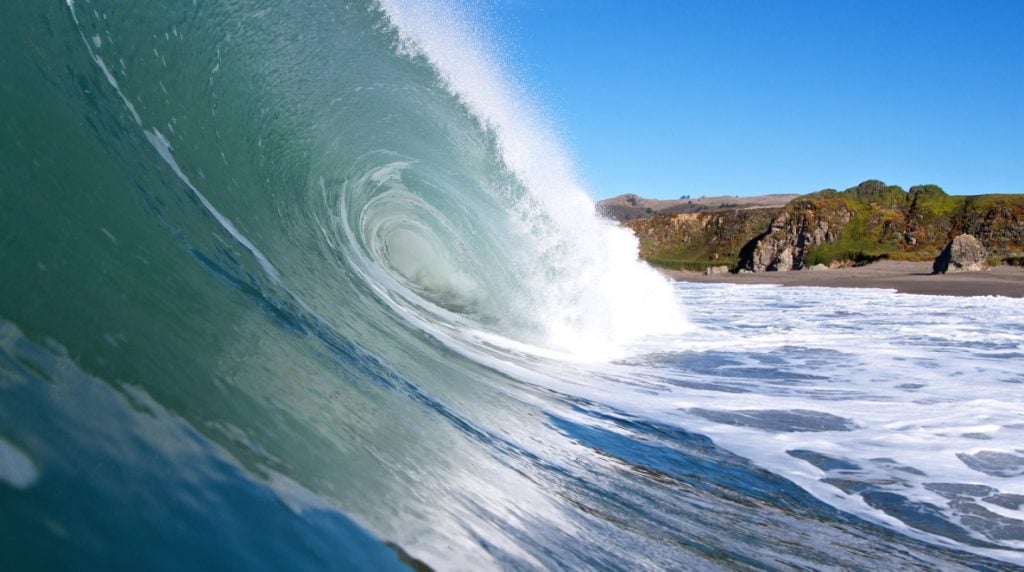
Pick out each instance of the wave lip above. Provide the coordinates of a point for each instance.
(586, 287)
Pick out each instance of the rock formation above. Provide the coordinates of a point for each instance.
(794, 232)
(835, 228)
(963, 254)
(699, 239)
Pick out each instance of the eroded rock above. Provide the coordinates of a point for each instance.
(963, 254)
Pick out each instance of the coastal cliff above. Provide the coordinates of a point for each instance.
(702, 239)
(868, 222)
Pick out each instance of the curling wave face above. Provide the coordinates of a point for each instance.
(309, 286)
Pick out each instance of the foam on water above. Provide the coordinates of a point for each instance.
(16, 468)
(906, 410)
(596, 295)
(342, 288)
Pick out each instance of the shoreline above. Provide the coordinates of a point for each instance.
(904, 277)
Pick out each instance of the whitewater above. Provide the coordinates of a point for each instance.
(315, 286)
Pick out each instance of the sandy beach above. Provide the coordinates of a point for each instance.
(905, 277)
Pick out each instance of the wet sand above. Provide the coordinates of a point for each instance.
(905, 277)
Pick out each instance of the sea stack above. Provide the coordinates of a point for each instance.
(963, 254)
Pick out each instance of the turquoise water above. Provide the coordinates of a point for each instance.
(303, 286)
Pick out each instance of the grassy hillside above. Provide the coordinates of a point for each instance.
(886, 222)
(696, 241)
(629, 207)
(860, 224)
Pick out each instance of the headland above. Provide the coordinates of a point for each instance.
(872, 235)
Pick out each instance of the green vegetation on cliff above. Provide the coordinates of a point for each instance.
(860, 224)
(695, 241)
(886, 222)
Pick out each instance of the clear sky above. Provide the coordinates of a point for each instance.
(665, 98)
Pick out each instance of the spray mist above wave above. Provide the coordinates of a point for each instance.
(584, 279)
(444, 191)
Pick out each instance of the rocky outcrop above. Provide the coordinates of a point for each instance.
(716, 270)
(963, 254)
(996, 220)
(834, 228)
(699, 240)
(874, 220)
(794, 232)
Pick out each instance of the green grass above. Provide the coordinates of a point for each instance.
(1012, 260)
(931, 199)
(912, 256)
(880, 215)
(942, 205)
(858, 254)
(695, 264)
(858, 243)
(986, 202)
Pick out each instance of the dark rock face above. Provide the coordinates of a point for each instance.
(859, 225)
(963, 254)
(795, 232)
(714, 238)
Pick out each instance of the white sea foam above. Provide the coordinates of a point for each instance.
(595, 295)
(932, 389)
(906, 394)
(16, 468)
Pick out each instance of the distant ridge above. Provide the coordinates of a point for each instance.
(632, 207)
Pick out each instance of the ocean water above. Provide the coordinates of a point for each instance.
(314, 286)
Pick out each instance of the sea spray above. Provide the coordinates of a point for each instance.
(593, 293)
(276, 294)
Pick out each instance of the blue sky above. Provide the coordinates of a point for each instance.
(668, 98)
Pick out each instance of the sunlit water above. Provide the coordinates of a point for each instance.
(310, 286)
